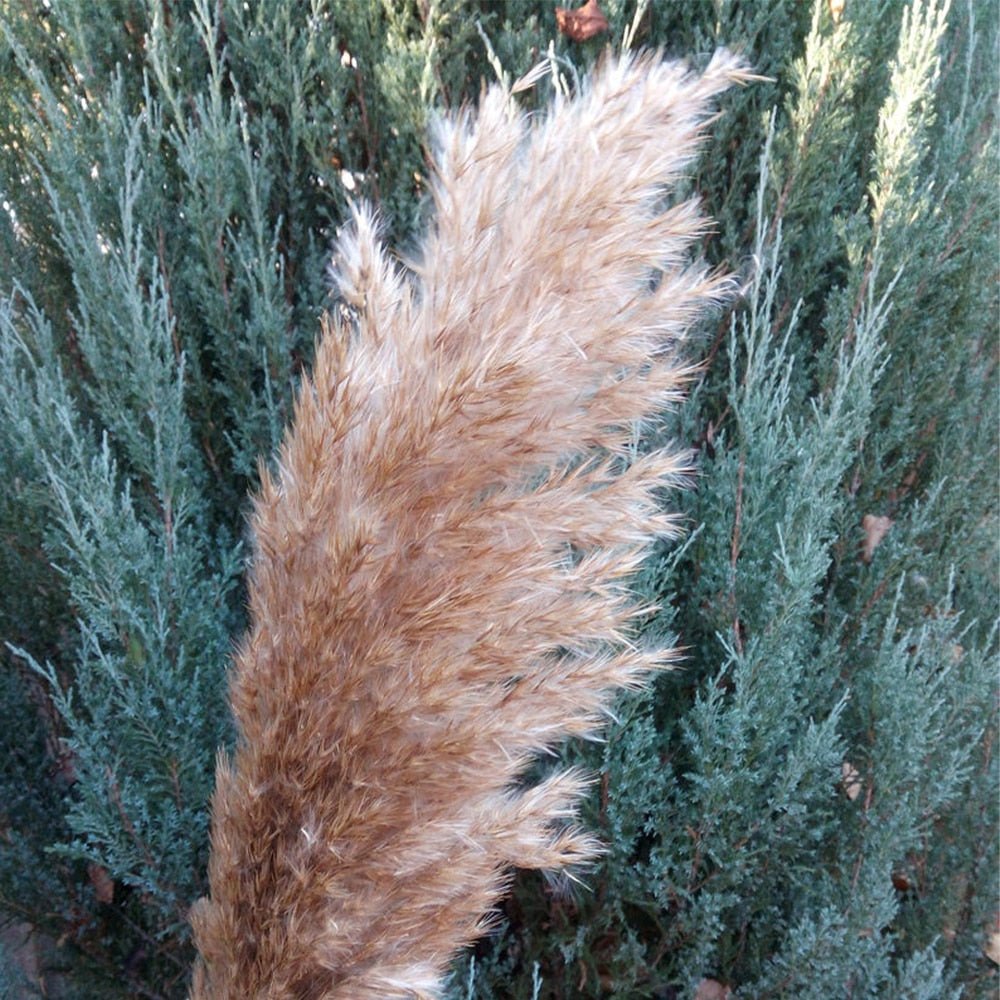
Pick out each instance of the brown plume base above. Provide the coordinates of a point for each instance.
(440, 583)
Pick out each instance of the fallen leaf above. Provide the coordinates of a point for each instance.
(992, 947)
(102, 882)
(850, 780)
(875, 529)
(583, 23)
(901, 881)
(712, 989)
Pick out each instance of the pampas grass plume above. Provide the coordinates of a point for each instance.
(439, 587)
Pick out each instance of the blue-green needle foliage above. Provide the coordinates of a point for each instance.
(807, 807)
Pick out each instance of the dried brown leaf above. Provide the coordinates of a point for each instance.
(850, 780)
(992, 947)
(902, 881)
(712, 989)
(102, 882)
(583, 23)
(875, 528)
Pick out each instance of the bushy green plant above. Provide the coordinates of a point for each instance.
(807, 807)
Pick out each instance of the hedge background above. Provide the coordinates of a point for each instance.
(808, 807)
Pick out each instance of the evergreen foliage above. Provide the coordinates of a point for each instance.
(808, 806)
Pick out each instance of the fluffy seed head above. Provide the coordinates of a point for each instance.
(440, 581)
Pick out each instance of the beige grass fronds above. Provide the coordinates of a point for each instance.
(440, 583)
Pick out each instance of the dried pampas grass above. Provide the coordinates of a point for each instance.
(439, 588)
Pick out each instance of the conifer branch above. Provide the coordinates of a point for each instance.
(440, 583)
